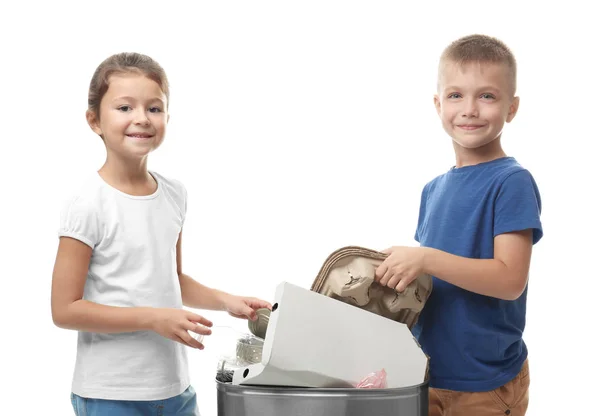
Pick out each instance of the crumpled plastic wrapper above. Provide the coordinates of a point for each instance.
(375, 380)
(248, 351)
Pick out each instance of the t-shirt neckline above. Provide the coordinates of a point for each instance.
(502, 159)
(126, 195)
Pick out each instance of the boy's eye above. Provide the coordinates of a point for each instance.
(454, 95)
(155, 109)
(124, 108)
(488, 96)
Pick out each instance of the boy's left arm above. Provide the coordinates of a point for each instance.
(504, 277)
(196, 295)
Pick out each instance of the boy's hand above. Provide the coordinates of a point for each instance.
(174, 324)
(244, 308)
(401, 267)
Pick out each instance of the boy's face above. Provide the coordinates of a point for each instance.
(474, 101)
(132, 118)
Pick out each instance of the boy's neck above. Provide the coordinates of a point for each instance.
(470, 157)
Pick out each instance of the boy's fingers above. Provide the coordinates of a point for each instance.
(400, 286)
(383, 281)
(386, 277)
(380, 271)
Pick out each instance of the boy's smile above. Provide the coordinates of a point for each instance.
(470, 127)
(474, 102)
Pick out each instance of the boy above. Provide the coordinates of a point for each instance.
(477, 225)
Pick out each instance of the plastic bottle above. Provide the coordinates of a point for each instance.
(220, 331)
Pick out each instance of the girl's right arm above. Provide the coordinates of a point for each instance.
(71, 311)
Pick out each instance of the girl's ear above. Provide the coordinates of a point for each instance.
(93, 122)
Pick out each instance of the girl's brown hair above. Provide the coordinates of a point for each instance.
(122, 63)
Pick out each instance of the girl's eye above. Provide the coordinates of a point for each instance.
(124, 108)
(155, 110)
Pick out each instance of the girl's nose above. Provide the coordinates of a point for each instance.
(141, 118)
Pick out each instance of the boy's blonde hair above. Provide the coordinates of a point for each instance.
(480, 49)
(123, 63)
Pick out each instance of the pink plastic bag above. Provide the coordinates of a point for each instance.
(376, 380)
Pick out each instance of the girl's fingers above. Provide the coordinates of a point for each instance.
(188, 340)
(243, 311)
(198, 329)
(199, 319)
(258, 303)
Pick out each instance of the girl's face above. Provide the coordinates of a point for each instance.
(133, 118)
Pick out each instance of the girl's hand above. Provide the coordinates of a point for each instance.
(244, 308)
(174, 324)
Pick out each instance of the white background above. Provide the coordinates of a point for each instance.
(298, 128)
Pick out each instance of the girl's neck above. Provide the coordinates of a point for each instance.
(130, 176)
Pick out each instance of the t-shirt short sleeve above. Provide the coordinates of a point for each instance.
(518, 206)
(176, 192)
(179, 195)
(185, 203)
(78, 220)
(421, 216)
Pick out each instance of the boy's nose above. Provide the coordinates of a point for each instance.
(470, 109)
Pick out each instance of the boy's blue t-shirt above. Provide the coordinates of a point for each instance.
(474, 341)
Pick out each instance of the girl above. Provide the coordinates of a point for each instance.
(118, 278)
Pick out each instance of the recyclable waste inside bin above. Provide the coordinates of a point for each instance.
(319, 343)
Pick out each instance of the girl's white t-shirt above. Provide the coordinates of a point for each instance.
(133, 264)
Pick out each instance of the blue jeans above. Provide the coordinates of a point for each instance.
(181, 405)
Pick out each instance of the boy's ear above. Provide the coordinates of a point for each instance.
(438, 104)
(93, 122)
(512, 110)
